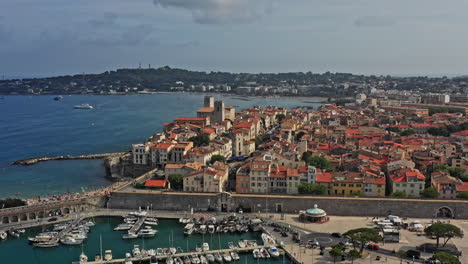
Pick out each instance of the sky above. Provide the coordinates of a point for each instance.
(397, 37)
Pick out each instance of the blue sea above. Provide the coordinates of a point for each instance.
(32, 126)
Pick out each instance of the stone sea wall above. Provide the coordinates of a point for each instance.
(339, 206)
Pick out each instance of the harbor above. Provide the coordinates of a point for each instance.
(170, 235)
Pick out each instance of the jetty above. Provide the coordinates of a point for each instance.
(137, 225)
(32, 161)
(162, 257)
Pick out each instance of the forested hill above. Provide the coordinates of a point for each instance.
(166, 79)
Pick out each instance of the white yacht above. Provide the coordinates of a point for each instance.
(128, 257)
(273, 252)
(83, 258)
(151, 221)
(136, 251)
(203, 260)
(235, 256)
(68, 240)
(267, 240)
(129, 235)
(108, 255)
(83, 106)
(205, 247)
(227, 257)
(188, 229)
(146, 232)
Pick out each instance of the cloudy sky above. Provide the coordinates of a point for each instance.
(400, 37)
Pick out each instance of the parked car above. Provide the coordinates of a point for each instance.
(52, 219)
(373, 246)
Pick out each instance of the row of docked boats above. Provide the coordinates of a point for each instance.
(68, 233)
(12, 233)
(138, 225)
(231, 224)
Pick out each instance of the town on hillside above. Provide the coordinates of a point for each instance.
(369, 149)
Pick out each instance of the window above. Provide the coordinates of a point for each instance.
(351, 185)
(253, 184)
(343, 185)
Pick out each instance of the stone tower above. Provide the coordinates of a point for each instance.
(209, 101)
(218, 112)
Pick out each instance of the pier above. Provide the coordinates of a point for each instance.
(162, 257)
(137, 225)
(62, 233)
(32, 161)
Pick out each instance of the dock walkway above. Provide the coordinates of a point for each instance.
(61, 234)
(147, 258)
(137, 225)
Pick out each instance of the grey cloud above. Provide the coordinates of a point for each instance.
(221, 11)
(374, 21)
(108, 20)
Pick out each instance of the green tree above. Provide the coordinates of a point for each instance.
(299, 135)
(430, 192)
(408, 132)
(177, 181)
(280, 117)
(445, 231)
(462, 195)
(360, 237)
(309, 188)
(393, 129)
(216, 158)
(319, 162)
(446, 258)
(398, 194)
(354, 254)
(11, 202)
(336, 252)
(200, 140)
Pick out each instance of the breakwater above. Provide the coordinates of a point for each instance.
(32, 161)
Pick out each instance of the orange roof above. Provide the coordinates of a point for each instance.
(174, 166)
(156, 183)
(190, 119)
(206, 110)
(463, 133)
(209, 131)
(325, 177)
(163, 145)
(462, 187)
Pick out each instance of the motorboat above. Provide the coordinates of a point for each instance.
(218, 258)
(98, 258)
(241, 244)
(203, 229)
(211, 229)
(187, 260)
(195, 259)
(138, 214)
(129, 235)
(153, 260)
(21, 231)
(83, 106)
(273, 252)
(151, 221)
(68, 240)
(128, 257)
(227, 257)
(169, 260)
(151, 252)
(256, 253)
(267, 240)
(83, 258)
(179, 250)
(159, 252)
(108, 255)
(178, 260)
(136, 251)
(219, 229)
(205, 247)
(123, 227)
(172, 250)
(264, 253)
(231, 245)
(188, 229)
(89, 223)
(145, 232)
(203, 260)
(13, 233)
(210, 258)
(41, 237)
(45, 244)
(235, 256)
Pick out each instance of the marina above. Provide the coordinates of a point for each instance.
(170, 234)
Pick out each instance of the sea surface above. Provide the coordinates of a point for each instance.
(18, 250)
(32, 126)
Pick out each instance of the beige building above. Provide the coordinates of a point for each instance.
(210, 179)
